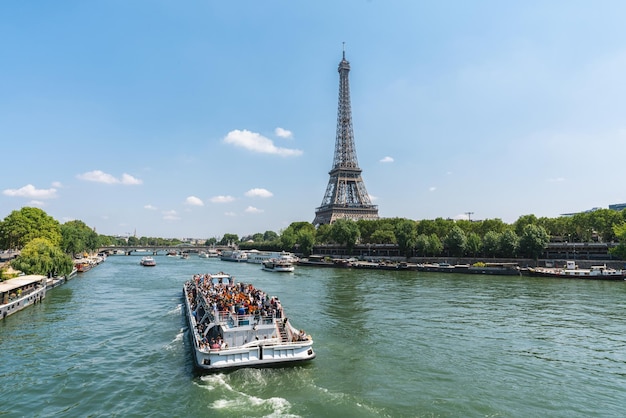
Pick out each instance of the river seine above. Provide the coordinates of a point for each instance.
(113, 342)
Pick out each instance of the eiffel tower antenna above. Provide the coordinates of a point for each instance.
(346, 196)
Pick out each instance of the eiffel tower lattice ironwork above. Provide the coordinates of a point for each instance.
(346, 196)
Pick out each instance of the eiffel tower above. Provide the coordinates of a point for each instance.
(346, 196)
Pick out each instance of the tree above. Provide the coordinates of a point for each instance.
(345, 232)
(229, 239)
(435, 247)
(474, 244)
(421, 245)
(491, 243)
(620, 233)
(305, 240)
(270, 236)
(509, 243)
(456, 241)
(77, 237)
(521, 223)
(383, 236)
(495, 225)
(288, 239)
(40, 256)
(533, 240)
(406, 236)
(323, 234)
(26, 224)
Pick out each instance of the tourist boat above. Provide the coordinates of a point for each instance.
(278, 265)
(203, 254)
(184, 256)
(571, 271)
(234, 325)
(237, 256)
(148, 261)
(259, 257)
(18, 293)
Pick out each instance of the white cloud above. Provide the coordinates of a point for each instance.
(30, 191)
(99, 176)
(230, 214)
(556, 180)
(35, 203)
(130, 180)
(194, 201)
(150, 207)
(252, 209)
(372, 198)
(57, 184)
(170, 215)
(387, 160)
(253, 141)
(432, 189)
(283, 133)
(222, 199)
(259, 193)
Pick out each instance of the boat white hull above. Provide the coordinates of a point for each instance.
(22, 302)
(257, 353)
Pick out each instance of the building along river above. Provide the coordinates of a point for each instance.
(112, 341)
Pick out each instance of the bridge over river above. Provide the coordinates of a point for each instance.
(160, 249)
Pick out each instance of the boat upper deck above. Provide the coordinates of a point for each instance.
(21, 282)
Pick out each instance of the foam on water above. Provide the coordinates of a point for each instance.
(243, 403)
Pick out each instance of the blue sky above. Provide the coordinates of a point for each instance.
(200, 118)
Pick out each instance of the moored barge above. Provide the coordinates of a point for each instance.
(18, 293)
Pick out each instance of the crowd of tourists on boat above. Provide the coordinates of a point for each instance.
(228, 301)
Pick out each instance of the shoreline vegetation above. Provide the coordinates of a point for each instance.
(50, 248)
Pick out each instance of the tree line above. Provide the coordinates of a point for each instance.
(49, 247)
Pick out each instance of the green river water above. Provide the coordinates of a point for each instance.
(113, 342)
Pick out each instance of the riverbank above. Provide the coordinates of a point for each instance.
(504, 267)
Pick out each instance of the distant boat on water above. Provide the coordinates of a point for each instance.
(278, 265)
(148, 261)
(236, 256)
(571, 271)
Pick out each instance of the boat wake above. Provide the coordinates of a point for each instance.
(175, 343)
(177, 310)
(241, 403)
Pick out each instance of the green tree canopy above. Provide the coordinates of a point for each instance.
(229, 239)
(421, 245)
(533, 240)
(456, 241)
(509, 243)
(474, 244)
(435, 246)
(39, 256)
(491, 243)
(406, 236)
(77, 237)
(22, 226)
(345, 232)
(384, 235)
(620, 233)
(270, 236)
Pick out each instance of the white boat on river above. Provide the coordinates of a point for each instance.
(235, 325)
(278, 265)
(18, 293)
